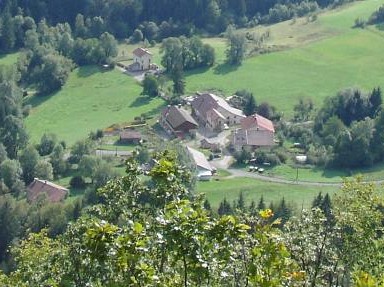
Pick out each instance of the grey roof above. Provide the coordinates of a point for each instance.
(177, 116)
(199, 159)
(206, 102)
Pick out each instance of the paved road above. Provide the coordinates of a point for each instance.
(222, 163)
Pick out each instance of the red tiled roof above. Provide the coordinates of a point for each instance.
(257, 122)
(140, 52)
(53, 192)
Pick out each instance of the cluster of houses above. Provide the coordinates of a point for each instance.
(207, 110)
(215, 114)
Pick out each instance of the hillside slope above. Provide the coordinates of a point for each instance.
(90, 100)
(318, 59)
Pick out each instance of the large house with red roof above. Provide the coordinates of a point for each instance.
(44, 188)
(214, 112)
(256, 131)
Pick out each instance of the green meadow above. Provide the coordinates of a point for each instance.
(311, 60)
(316, 60)
(8, 59)
(252, 189)
(90, 100)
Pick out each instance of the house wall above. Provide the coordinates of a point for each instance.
(230, 119)
(186, 127)
(145, 61)
(256, 139)
(216, 124)
(203, 174)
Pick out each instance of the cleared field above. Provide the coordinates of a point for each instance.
(295, 195)
(318, 59)
(316, 174)
(90, 100)
(9, 59)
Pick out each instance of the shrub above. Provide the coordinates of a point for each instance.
(360, 23)
(282, 155)
(77, 182)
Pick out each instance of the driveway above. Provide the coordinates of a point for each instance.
(222, 163)
(221, 138)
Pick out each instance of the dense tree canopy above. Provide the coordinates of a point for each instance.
(154, 19)
(151, 231)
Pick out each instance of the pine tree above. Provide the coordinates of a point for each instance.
(178, 81)
(207, 205)
(240, 202)
(8, 37)
(283, 212)
(250, 106)
(317, 201)
(326, 207)
(261, 204)
(224, 208)
(252, 207)
(375, 100)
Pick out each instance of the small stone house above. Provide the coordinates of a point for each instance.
(130, 136)
(206, 144)
(142, 60)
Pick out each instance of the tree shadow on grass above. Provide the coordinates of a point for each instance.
(37, 99)
(197, 71)
(87, 71)
(331, 173)
(225, 68)
(380, 26)
(155, 111)
(140, 101)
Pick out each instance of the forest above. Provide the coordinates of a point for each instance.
(162, 19)
(151, 231)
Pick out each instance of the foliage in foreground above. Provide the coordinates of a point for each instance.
(150, 231)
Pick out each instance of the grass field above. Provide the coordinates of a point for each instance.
(296, 195)
(319, 59)
(316, 60)
(9, 59)
(90, 100)
(317, 174)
